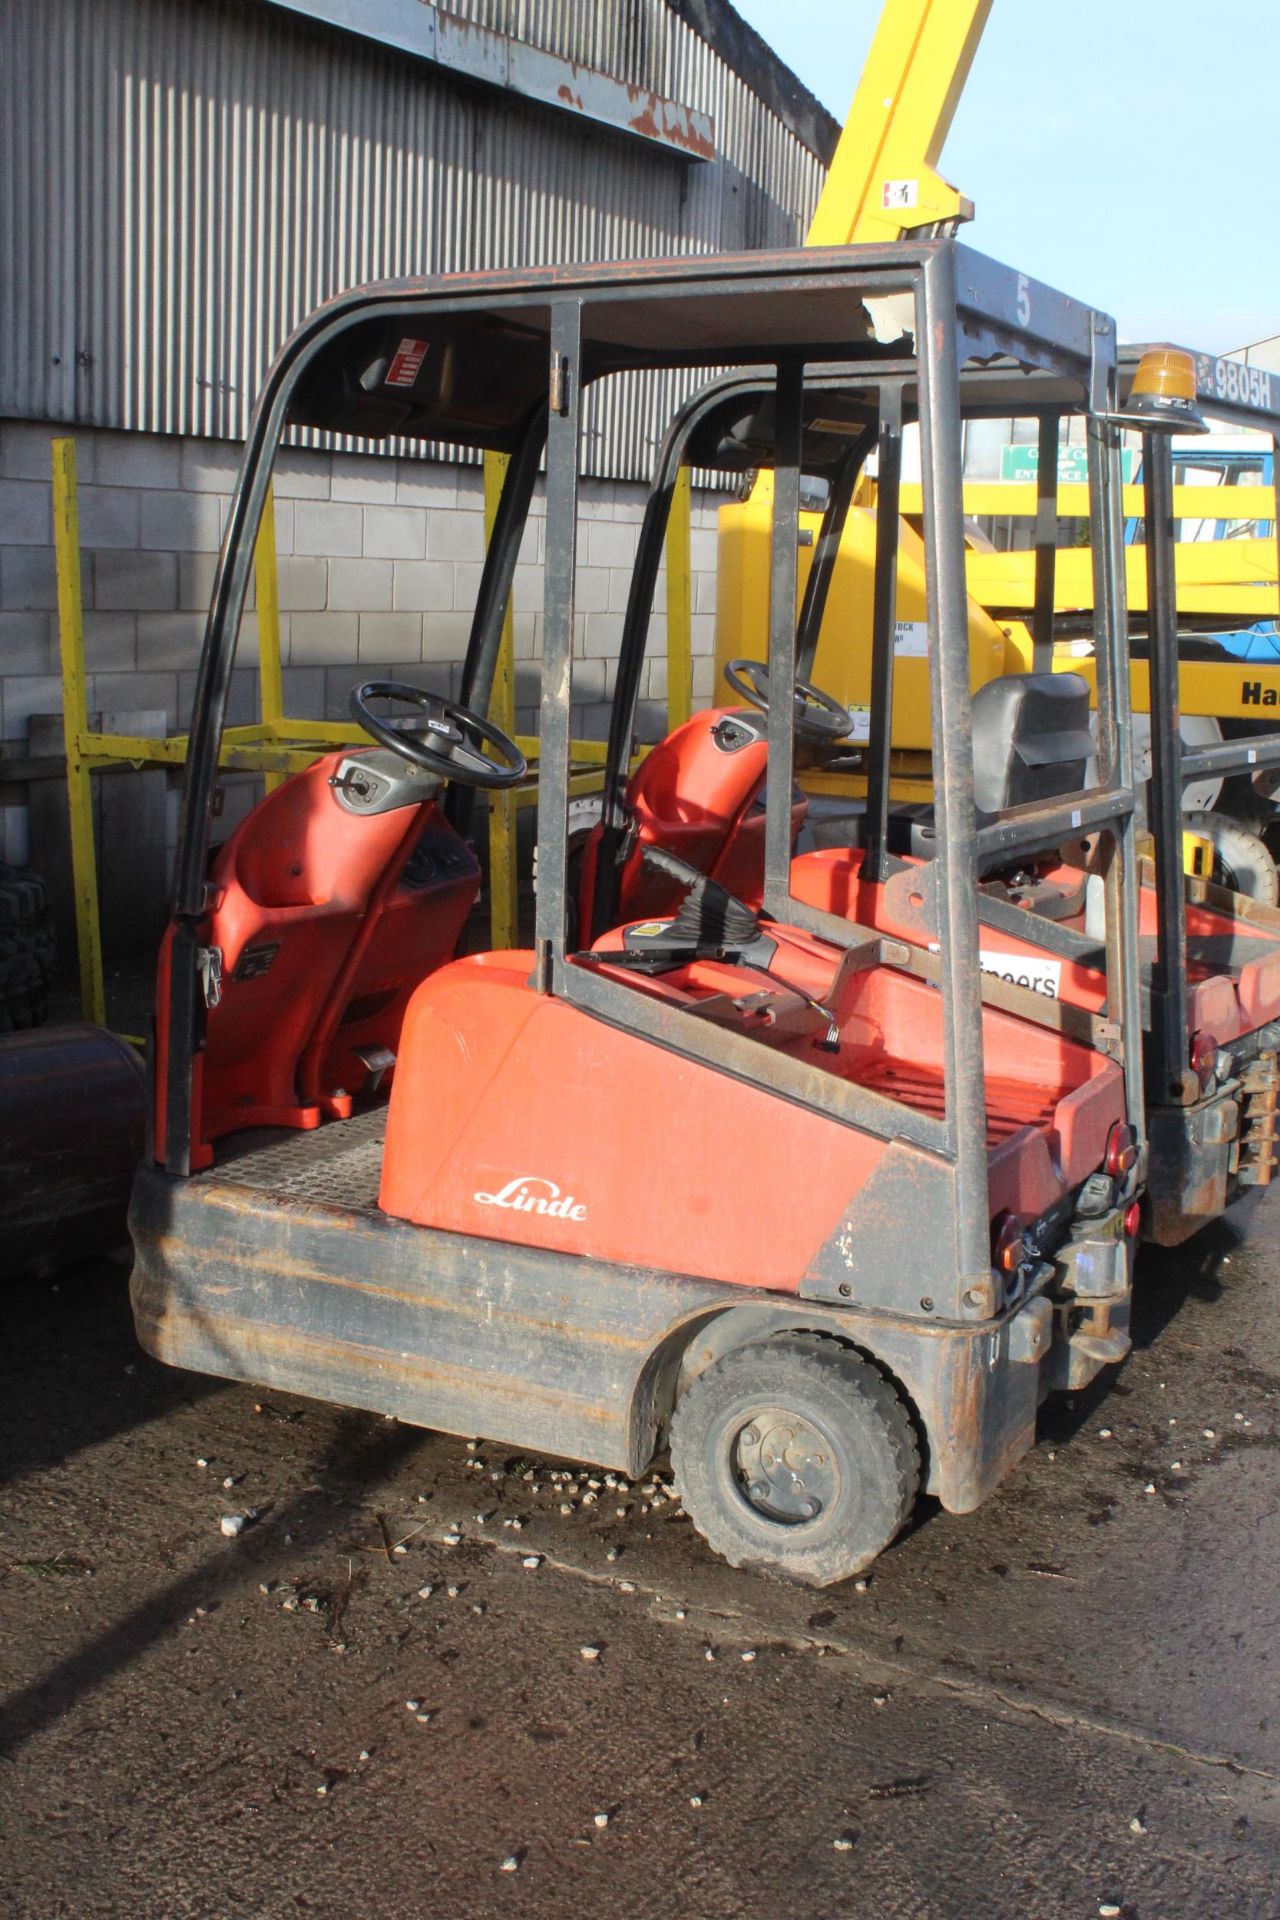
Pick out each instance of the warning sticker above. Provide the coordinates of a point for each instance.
(406, 363)
(899, 193)
(860, 731)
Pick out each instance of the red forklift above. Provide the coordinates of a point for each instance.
(816, 1208)
(1210, 957)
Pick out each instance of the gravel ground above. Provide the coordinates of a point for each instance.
(1064, 1705)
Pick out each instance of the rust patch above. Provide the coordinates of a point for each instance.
(675, 128)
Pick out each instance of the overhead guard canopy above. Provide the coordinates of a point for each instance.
(473, 375)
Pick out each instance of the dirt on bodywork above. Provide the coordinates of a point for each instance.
(262, 1657)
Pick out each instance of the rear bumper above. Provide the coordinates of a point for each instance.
(1189, 1174)
(465, 1336)
(1202, 1157)
(571, 1357)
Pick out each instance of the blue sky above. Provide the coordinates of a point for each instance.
(1123, 150)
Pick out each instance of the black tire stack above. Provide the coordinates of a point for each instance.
(26, 949)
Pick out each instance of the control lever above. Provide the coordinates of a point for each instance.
(709, 915)
(711, 923)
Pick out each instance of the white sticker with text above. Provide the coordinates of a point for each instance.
(1032, 971)
(1024, 970)
(910, 637)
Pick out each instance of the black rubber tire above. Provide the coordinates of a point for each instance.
(873, 1451)
(26, 949)
(1242, 859)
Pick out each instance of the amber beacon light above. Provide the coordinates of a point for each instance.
(1162, 398)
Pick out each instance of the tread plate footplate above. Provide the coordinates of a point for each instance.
(338, 1166)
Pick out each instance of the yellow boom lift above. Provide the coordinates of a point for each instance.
(883, 183)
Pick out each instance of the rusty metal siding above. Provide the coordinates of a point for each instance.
(180, 184)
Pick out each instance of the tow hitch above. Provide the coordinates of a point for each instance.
(1253, 1156)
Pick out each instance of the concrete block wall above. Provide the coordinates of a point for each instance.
(379, 564)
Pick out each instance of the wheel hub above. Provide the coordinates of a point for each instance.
(785, 1466)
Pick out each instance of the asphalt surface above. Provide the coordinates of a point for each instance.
(1063, 1705)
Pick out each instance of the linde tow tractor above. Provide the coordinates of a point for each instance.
(778, 1191)
(1210, 956)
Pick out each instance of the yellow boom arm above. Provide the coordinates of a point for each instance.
(882, 182)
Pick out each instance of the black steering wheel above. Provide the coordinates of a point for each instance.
(439, 744)
(817, 715)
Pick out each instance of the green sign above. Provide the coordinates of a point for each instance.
(1022, 462)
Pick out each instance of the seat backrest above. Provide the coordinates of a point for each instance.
(326, 920)
(1031, 739)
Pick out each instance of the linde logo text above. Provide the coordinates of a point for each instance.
(519, 1195)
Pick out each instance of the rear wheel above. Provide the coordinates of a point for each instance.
(1241, 858)
(26, 949)
(797, 1456)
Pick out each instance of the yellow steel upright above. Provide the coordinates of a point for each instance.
(882, 182)
(679, 605)
(75, 723)
(503, 892)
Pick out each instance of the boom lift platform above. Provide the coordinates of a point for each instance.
(804, 1202)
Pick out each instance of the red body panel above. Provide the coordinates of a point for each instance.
(682, 1167)
(327, 921)
(832, 881)
(699, 801)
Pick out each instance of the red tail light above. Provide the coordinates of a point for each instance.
(1007, 1251)
(1122, 1150)
(1204, 1053)
(1132, 1220)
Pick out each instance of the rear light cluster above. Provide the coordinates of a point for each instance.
(1204, 1055)
(1132, 1219)
(1008, 1250)
(1122, 1151)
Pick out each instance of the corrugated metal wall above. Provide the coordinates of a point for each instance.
(180, 183)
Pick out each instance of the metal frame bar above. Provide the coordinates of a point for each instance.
(564, 432)
(654, 540)
(947, 615)
(827, 551)
(504, 903)
(1125, 995)
(1169, 972)
(1045, 543)
(884, 600)
(783, 588)
(270, 677)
